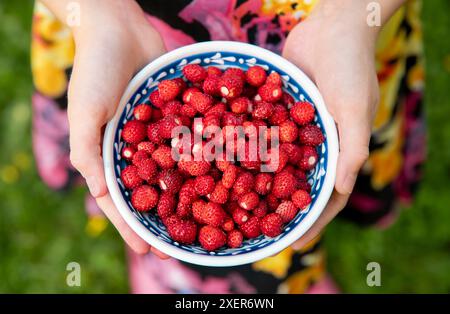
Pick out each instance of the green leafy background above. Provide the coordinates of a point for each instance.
(41, 231)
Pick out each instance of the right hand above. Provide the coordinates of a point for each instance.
(112, 44)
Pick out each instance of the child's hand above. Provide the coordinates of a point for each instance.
(113, 42)
(337, 52)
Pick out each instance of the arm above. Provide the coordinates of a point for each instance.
(113, 41)
(335, 46)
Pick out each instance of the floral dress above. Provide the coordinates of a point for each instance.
(391, 174)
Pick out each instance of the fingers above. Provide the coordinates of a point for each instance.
(131, 238)
(335, 205)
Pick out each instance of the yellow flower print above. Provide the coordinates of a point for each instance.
(277, 265)
(295, 9)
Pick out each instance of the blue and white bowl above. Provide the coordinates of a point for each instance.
(221, 54)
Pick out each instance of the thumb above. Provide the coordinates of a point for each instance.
(354, 137)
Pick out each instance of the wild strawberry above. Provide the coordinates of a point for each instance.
(271, 225)
(187, 193)
(220, 194)
(284, 184)
(270, 92)
(243, 184)
(229, 176)
(304, 185)
(211, 238)
(144, 198)
(293, 151)
(163, 157)
(134, 132)
(309, 158)
(263, 110)
(241, 105)
(147, 170)
(275, 79)
(139, 156)
(166, 205)
(256, 76)
(240, 215)
(311, 135)
(201, 102)
(301, 199)
(209, 214)
(228, 224)
(142, 112)
(147, 147)
(231, 119)
(302, 112)
(272, 202)
(279, 115)
(128, 153)
(217, 109)
(230, 86)
(214, 71)
(263, 183)
(167, 125)
(194, 73)
(236, 72)
(172, 107)
(188, 93)
(261, 210)
(250, 229)
(181, 83)
(274, 164)
(287, 211)
(204, 185)
(197, 168)
(154, 134)
(184, 210)
(288, 132)
(287, 100)
(168, 90)
(211, 85)
(130, 177)
(300, 174)
(249, 201)
(155, 99)
(182, 230)
(188, 110)
(156, 114)
(235, 239)
(249, 91)
(221, 163)
(170, 181)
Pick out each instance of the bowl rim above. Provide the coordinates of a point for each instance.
(212, 260)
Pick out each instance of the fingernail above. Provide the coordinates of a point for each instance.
(93, 186)
(349, 183)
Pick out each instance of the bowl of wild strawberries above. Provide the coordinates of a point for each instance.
(220, 154)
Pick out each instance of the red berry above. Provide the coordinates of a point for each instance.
(235, 239)
(211, 85)
(256, 76)
(167, 125)
(147, 147)
(272, 202)
(144, 198)
(309, 158)
(293, 151)
(229, 176)
(194, 73)
(188, 110)
(181, 83)
(188, 93)
(166, 205)
(270, 92)
(184, 210)
(263, 183)
(311, 135)
(287, 100)
(288, 132)
(168, 90)
(271, 225)
(163, 157)
(128, 153)
(249, 201)
(187, 193)
(301, 199)
(211, 238)
(274, 78)
(284, 184)
(201, 102)
(214, 71)
(250, 229)
(302, 112)
(139, 156)
(240, 215)
(263, 110)
(204, 185)
(181, 230)
(304, 185)
(142, 112)
(220, 194)
(279, 115)
(208, 214)
(241, 105)
(261, 210)
(134, 132)
(243, 184)
(148, 170)
(195, 168)
(236, 72)
(172, 107)
(228, 224)
(154, 134)
(155, 99)
(217, 109)
(230, 86)
(274, 165)
(287, 211)
(231, 119)
(170, 181)
(130, 177)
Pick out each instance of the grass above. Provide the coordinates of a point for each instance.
(41, 231)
